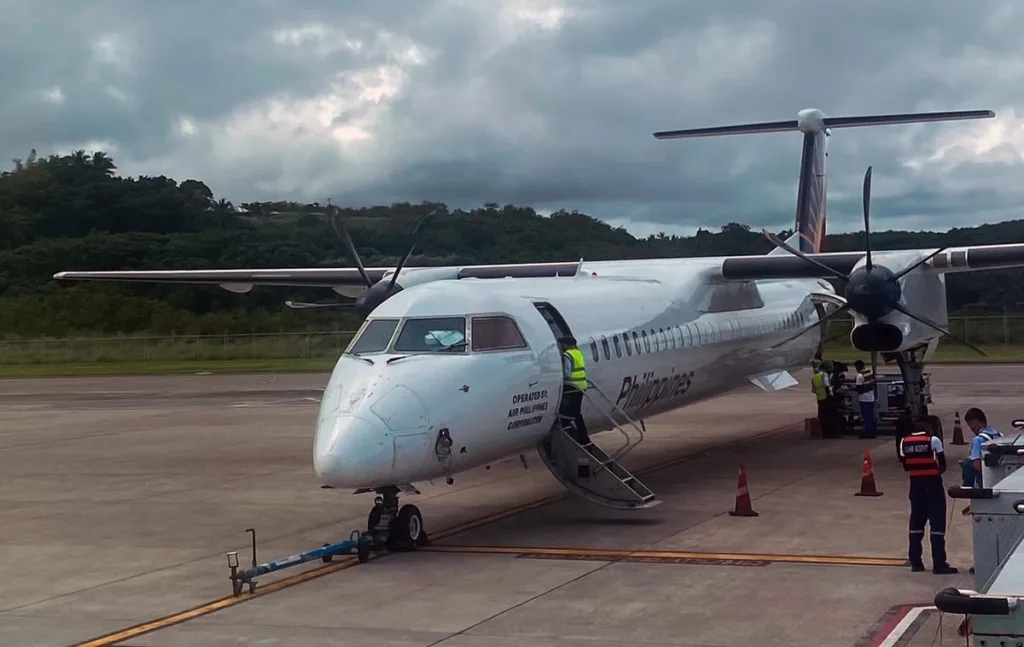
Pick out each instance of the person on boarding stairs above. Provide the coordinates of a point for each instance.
(574, 375)
(865, 387)
(924, 459)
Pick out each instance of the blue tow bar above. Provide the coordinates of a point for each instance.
(358, 543)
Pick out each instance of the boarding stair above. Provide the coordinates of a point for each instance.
(588, 471)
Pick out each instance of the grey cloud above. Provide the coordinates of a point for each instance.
(552, 118)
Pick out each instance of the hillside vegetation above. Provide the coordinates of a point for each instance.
(75, 212)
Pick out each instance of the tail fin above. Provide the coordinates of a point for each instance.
(811, 198)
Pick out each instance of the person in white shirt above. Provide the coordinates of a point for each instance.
(865, 387)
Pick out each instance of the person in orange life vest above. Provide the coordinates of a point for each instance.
(924, 459)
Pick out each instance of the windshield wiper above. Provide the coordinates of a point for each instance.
(358, 356)
(435, 351)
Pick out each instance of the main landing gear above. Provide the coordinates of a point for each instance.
(399, 529)
(916, 392)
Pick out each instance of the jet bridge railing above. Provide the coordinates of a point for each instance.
(609, 412)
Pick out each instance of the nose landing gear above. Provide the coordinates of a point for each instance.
(399, 529)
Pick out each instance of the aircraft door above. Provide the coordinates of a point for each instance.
(559, 328)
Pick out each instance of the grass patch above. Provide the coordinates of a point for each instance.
(167, 368)
(945, 355)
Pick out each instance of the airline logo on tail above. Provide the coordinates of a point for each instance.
(812, 230)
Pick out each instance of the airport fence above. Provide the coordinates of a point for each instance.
(987, 331)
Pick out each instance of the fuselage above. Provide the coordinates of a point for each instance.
(479, 358)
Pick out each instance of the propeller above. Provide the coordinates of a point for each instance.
(872, 290)
(375, 293)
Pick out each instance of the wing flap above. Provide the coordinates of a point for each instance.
(776, 381)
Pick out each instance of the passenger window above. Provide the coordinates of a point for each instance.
(647, 342)
(625, 342)
(636, 342)
(496, 333)
(604, 347)
(446, 334)
(664, 339)
(654, 340)
(618, 346)
(687, 335)
(593, 350)
(374, 337)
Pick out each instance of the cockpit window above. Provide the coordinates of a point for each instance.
(446, 334)
(496, 333)
(374, 338)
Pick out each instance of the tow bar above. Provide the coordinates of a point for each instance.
(358, 543)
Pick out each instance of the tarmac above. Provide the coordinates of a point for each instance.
(121, 495)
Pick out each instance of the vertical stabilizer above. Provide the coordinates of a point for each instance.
(810, 194)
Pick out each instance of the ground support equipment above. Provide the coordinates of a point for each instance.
(994, 609)
(358, 544)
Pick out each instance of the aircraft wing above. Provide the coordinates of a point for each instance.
(953, 259)
(237, 280)
(243, 280)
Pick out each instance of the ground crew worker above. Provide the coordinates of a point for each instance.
(924, 459)
(574, 374)
(821, 387)
(865, 387)
(978, 423)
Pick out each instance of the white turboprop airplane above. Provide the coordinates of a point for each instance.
(456, 367)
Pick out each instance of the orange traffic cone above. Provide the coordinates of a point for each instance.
(867, 479)
(958, 431)
(743, 505)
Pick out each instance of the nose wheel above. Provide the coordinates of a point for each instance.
(399, 529)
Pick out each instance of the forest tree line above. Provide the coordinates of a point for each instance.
(74, 212)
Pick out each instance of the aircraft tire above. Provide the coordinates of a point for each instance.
(407, 529)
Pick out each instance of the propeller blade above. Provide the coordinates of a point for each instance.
(341, 232)
(301, 305)
(932, 324)
(918, 264)
(775, 240)
(814, 325)
(867, 225)
(417, 237)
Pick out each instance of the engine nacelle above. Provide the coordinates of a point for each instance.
(924, 294)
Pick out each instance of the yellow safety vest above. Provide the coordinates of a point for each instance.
(818, 385)
(578, 376)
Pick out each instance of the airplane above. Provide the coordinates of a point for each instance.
(456, 367)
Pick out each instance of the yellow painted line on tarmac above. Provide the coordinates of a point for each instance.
(288, 582)
(670, 555)
(216, 605)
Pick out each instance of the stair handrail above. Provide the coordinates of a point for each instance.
(629, 446)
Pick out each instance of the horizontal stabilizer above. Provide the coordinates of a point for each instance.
(813, 120)
(908, 118)
(777, 381)
(741, 129)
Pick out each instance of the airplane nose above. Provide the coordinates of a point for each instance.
(352, 451)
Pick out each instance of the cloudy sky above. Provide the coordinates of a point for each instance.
(549, 103)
